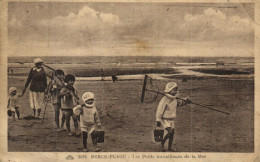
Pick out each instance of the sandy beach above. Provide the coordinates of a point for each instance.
(128, 123)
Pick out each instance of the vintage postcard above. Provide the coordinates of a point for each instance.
(129, 80)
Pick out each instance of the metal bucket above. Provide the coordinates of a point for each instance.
(100, 136)
(9, 113)
(158, 135)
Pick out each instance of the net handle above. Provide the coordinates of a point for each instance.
(144, 87)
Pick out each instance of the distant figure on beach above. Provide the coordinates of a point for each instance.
(102, 74)
(13, 102)
(37, 79)
(114, 78)
(220, 63)
(166, 112)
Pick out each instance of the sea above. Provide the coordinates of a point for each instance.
(133, 60)
(90, 66)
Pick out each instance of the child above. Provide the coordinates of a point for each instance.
(166, 112)
(89, 119)
(69, 99)
(56, 102)
(37, 79)
(13, 101)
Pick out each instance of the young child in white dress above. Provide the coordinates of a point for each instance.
(166, 112)
(13, 102)
(89, 119)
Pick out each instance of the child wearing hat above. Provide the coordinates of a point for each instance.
(13, 102)
(56, 102)
(69, 99)
(89, 119)
(37, 79)
(166, 112)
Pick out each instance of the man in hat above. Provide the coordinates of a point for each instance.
(37, 79)
(166, 112)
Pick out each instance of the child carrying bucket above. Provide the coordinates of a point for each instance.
(166, 112)
(89, 119)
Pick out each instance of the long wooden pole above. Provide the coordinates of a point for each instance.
(143, 90)
(191, 102)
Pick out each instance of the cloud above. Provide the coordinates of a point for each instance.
(109, 18)
(214, 24)
(92, 31)
(83, 28)
(86, 19)
(208, 25)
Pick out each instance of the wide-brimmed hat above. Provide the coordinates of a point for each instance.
(37, 60)
(87, 95)
(11, 89)
(169, 86)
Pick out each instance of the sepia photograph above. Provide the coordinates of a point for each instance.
(125, 77)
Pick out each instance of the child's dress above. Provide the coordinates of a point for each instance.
(13, 102)
(68, 101)
(166, 111)
(55, 90)
(88, 117)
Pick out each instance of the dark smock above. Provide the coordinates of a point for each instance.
(37, 79)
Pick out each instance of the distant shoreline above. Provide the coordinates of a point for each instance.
(139, 65)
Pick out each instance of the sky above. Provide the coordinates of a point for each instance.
(130, 29)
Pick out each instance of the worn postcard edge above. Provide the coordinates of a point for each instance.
(60, 156)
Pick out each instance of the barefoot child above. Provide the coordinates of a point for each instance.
(166, 112)
(89, 119)
(56, 102)
(69, 99)
(13, 102)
